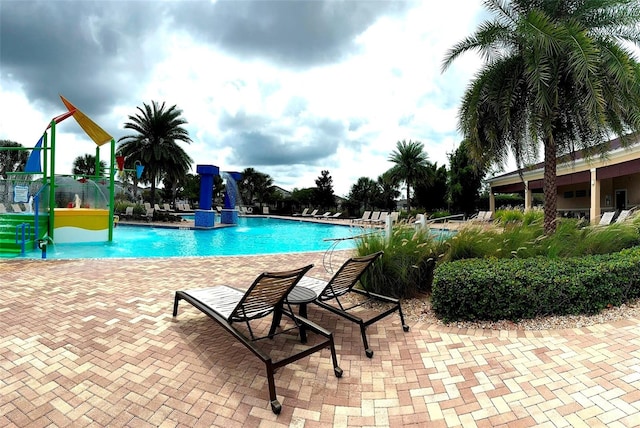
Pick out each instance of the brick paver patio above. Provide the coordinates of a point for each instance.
(94, 343)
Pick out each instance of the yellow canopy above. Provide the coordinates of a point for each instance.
(92, 129)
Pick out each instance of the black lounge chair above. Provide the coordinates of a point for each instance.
(343, 282)
(227, 305)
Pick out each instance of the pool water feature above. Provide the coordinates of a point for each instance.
(252, 235)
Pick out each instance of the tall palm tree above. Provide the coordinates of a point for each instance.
(556, 74)
(157, 131)
(86, 165)
(410, 165)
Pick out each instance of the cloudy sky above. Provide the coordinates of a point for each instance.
(288, 88)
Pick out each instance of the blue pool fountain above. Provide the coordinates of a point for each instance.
(229, 213)
(204, 216)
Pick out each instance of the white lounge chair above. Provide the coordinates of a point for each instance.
(606, 218)
(311, 214)
(303, 214)
(365, 217)
(16, 208)
(624, 214)
(325, 215)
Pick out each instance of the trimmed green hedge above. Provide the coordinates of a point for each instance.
(514, 289)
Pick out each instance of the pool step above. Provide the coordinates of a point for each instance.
(10, 225)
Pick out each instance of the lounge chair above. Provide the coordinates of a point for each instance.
(303, 214)
(325, 215)
(166, 207)
(157, 207)
(365, 217)
(147, 205)
(383, 218)
(3, 209)
(186, 206)
(16, 208)
(128, 213)
(266, 296)
(375, 216)
(624, 214)
(311, 214)
(336, 215)
(149, 214)
(342, 283)
(606, 218)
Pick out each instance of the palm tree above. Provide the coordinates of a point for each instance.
(364, 193)
(86, 166)
(410, 165)
(12, 159)
(556, 74)
(157, 131)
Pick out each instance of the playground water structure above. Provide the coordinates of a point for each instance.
(251, 236)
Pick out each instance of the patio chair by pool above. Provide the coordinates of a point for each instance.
(16, 208)
(342, 283)
(624, 214)
(606, 218)
(365, 217)
(3, 209)
(303, 214)
(227, 305)
(311, 214)
(325, 215)
(128, 213)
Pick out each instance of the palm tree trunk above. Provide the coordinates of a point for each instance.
(408, 203)
(550, 190)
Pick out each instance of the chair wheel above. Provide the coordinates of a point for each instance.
(369, 353)
(338, 371)
(405, 328)
(276, 407)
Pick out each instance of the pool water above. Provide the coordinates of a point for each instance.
(250, 237)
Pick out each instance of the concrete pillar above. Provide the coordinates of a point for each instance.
(492, 201)
(594, 211)
(528, 197)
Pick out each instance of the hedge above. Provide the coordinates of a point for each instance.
(515, 289)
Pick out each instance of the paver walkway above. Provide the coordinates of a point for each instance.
(94, 343)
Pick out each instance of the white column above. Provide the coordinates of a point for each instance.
(594, 211)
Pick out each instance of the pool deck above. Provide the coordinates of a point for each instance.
(94, 343)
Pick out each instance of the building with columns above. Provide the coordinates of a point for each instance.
(586, 187)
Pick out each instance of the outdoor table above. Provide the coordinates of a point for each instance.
(300, 296)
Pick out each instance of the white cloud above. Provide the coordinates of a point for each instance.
(351, 111)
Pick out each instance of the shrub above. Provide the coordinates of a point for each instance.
(406, 268)
(486, 289)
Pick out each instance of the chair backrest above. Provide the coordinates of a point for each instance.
(314, 212)
(128, 211)
(383, 216)
(624, 214)
(366, 215)
(3, 209)
(166, 207)
(147, 205)
(16, 208)
(375, 216)
(186, 206)
(267, 291)
(607, 217)
(305, 211)
(347, 276)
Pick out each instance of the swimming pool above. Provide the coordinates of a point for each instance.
(252, 235)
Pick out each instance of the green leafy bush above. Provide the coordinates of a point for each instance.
(490, 289)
